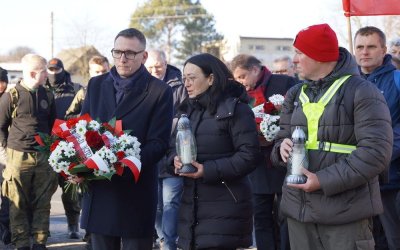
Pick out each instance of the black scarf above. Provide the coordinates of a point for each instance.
(123, 85)
(56, 79)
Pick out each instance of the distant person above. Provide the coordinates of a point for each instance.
(98, 65)
(169, 186)
(266, 180)
(120, 210)
(29, 181)
(216, 210)
(394, 50)
(349, 143)
(59, 82)
(3, 80)
(376, 66)
(5, 234)
(283, 66)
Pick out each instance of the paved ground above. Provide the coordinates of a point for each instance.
(58, 229)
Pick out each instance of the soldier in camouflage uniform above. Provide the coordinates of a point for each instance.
(5, 234)
(29, 182)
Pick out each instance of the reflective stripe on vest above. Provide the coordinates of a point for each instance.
(313, 111)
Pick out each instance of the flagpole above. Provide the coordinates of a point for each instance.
(349, 34)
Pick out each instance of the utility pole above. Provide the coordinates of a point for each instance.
(52, 34)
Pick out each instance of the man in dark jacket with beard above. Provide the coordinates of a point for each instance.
(59, 82)
(376, 66)
(169, 186)
(349, 141)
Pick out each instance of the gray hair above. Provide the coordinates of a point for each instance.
(395, 42)
(157, 53)
(284, 59)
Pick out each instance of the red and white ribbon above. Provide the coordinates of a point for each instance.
(96, 162)
(134, 165)
(108, 139)
(80, 145)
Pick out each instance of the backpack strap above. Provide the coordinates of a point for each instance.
(14, 102)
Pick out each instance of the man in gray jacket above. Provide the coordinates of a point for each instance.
(349, 142)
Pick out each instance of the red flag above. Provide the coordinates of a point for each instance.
(371, 7)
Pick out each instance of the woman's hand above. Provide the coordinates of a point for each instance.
(285, 149)
(200, 169)
(177, 164)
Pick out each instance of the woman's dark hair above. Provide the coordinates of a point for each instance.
(223, 83)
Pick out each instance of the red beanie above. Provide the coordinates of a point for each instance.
(318, 42)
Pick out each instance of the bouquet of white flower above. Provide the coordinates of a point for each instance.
(87, 148)
(269, 126)
(267, 116)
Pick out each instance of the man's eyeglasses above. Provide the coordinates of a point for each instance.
(281, 72)
(129, 54)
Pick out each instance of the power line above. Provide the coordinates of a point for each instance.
(171, 17)
(191, 7)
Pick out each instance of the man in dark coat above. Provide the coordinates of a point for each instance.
(121, 208)
(266, 181)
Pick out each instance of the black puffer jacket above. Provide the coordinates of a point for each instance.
(216, 210)
(173, 77)
(356, 115)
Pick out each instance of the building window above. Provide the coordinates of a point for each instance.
(251, 46)
(282, 48)
(260, 47)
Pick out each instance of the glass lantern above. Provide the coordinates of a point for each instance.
(186, 145)
(298, 158)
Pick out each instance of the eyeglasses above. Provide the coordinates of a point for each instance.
(281, 72)
(129, 54)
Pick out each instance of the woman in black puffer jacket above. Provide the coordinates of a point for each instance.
(216, 208)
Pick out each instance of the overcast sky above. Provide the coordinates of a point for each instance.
(27, 22)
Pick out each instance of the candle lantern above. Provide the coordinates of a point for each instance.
(298, 158)
(186, 145)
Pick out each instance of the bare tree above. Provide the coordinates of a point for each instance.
(391, 26)
(16, 54)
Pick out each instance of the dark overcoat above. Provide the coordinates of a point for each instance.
(121, 207)
(267, 179)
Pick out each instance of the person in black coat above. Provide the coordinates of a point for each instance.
(216, 210)
(267, 180)
(169, 185)
(120, 208)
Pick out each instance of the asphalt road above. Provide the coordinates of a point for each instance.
(58, 229)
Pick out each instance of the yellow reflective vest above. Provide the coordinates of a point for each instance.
(313, 111)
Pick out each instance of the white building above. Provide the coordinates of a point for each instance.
(14, 72)
(266, 49)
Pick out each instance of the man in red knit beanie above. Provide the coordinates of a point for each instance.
(349, 142)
